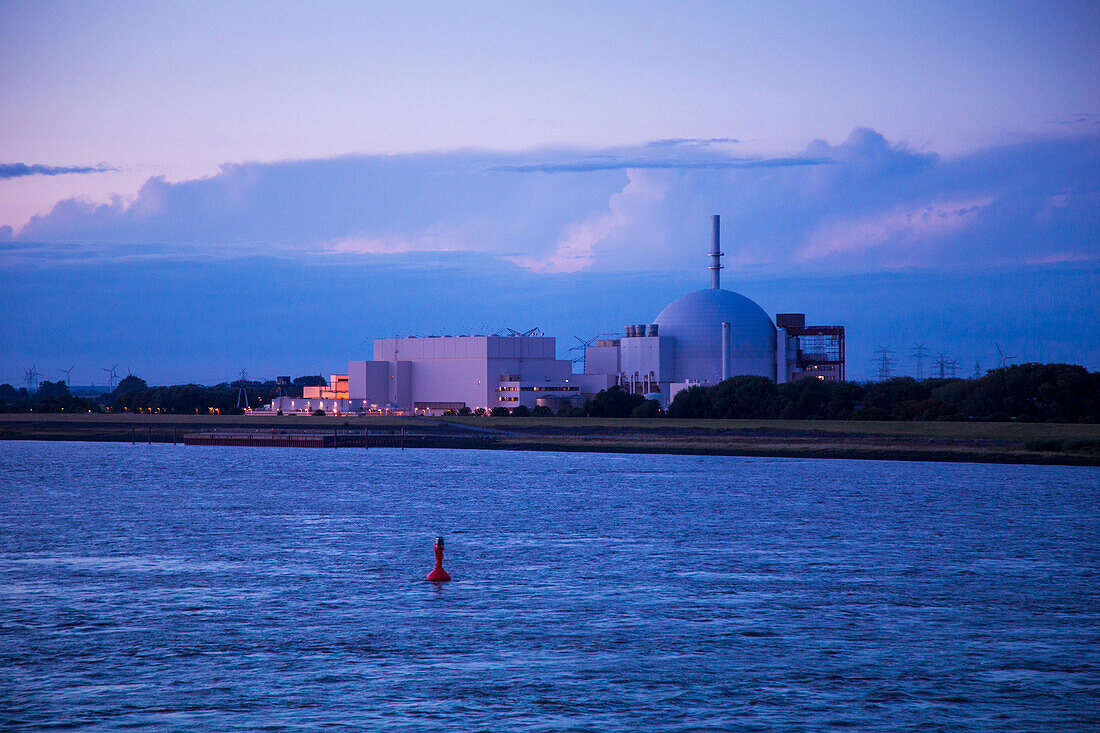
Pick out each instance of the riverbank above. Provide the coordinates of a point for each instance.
(1038, 443)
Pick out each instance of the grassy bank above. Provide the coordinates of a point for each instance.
(936, 441)
(1011, 431)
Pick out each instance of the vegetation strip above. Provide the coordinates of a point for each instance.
(1078, 444)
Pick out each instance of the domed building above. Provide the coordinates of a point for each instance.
(710, 335)
(707, 324)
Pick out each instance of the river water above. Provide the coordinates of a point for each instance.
(159, 587)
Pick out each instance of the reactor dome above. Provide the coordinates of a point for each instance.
(695, 322)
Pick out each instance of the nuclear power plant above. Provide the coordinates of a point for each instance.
(701, 338)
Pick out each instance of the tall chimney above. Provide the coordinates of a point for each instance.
(716, 256)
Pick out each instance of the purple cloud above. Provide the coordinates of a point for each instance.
(862, 205)
(20, 170)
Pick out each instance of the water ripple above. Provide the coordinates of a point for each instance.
(168, 588)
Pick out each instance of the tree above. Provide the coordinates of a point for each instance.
(296, 385)
(612, 402)
(541, 411)
(130, 383)
(805, 399)
(649, 408)
(520, 411)
(846, 399)
(499, 411)
(693, 402)
(52, 390)
(744, 397)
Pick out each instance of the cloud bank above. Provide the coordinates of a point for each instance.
(20, 170)
(863, 205)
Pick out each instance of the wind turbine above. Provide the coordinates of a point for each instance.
(112, 375)
(67, 373)
(1004, 359)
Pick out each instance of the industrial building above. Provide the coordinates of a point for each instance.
(701, 338)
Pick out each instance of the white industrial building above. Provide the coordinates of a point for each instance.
(441, 373)
(699, 339)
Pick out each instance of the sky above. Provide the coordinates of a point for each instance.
(189, 189)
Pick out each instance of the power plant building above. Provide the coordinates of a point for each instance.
(701, 338)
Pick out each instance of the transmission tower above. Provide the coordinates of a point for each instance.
(31, 378)
(583, 348)
(242, 393)
(977, 370)
(953, 369)
(884, 363)
(536, 331)
(941, 365)
(918, 352)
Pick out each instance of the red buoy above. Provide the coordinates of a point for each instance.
(439, 574)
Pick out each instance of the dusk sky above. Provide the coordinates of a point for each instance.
(187, 189)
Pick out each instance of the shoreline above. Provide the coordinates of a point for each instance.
(1003, 443)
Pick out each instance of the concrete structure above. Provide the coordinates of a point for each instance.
(701, 338)
(811, 351)
(333, 398)
(710, 335)
(439, 373)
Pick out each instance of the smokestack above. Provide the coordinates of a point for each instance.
(725, 350)
(716, 256)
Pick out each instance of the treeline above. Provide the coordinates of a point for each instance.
(133, 395)
(49, 397)
(1026, 392)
